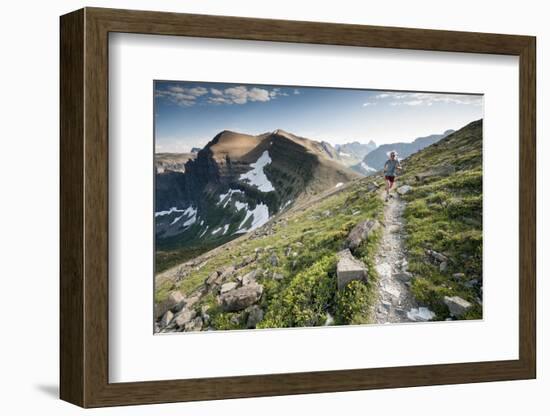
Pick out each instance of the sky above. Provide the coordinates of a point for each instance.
(190, 114)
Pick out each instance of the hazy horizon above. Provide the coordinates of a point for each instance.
(190, 114)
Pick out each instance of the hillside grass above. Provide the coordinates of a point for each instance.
(445, 214)
(305, 244)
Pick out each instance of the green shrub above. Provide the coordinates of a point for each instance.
(352, 303)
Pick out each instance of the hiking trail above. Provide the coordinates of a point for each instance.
(395, 300)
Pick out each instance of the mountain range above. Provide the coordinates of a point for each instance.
(375, 159)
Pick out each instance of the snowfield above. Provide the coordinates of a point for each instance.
(256, 177)
(260, 215)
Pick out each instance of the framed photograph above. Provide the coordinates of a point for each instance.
(255, 207)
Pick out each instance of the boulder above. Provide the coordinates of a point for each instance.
(360, 233)
(405, 189)
(212, 278)
(255, 315)
(349, 268)
(226, 287)
(458, 276)
(166, 318)
(194, 325)
(443, 266)
(172, 301)
(184, 316)
(457, 306)
(241, 298)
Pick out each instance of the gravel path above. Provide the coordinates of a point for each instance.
(395, 298)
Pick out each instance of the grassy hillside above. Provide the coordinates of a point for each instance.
(444, 213)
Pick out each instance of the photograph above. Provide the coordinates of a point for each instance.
(286, 206)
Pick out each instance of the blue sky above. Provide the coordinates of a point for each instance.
(190, 114)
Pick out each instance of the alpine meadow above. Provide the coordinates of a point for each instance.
(290, 206)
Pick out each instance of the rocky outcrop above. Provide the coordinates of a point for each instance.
(172, 301)
(242, 297)
(349, 268)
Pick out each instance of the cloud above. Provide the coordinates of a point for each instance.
(368, 103)
(181, 95)
(297, 92)
(241, 94)
(422, 98)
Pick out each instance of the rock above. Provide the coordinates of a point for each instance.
(211, 279)
(274, 260)
(184, 316)
(172, 301)
(226, 287)
(194, 325)
(326, 213)
(349, 268)
(255, 315)
(404, 265)
(166, 318)
(437, 256)
(190, 301)
(250, 277)
(356, 213)
(458, 276)
(241, 298)
(360, 233)
(444, 170)
(288, 251)
(403, 276)
(405, 189)
(442, 266)
(278, 276)
(420, 314)
(457, 306)
(258, 250)
(225, 273)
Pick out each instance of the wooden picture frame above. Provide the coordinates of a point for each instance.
(84, 207)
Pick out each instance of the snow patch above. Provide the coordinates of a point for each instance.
(345, 154)
(339, 184)
(260, 215)
(225, 228)
(256, 176)
(204, 232)
(216, 231)
(168, 212)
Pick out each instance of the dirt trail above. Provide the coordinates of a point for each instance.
(395, 298)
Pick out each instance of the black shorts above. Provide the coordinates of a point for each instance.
(390, 178)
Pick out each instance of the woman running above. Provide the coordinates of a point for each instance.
(391, 167)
